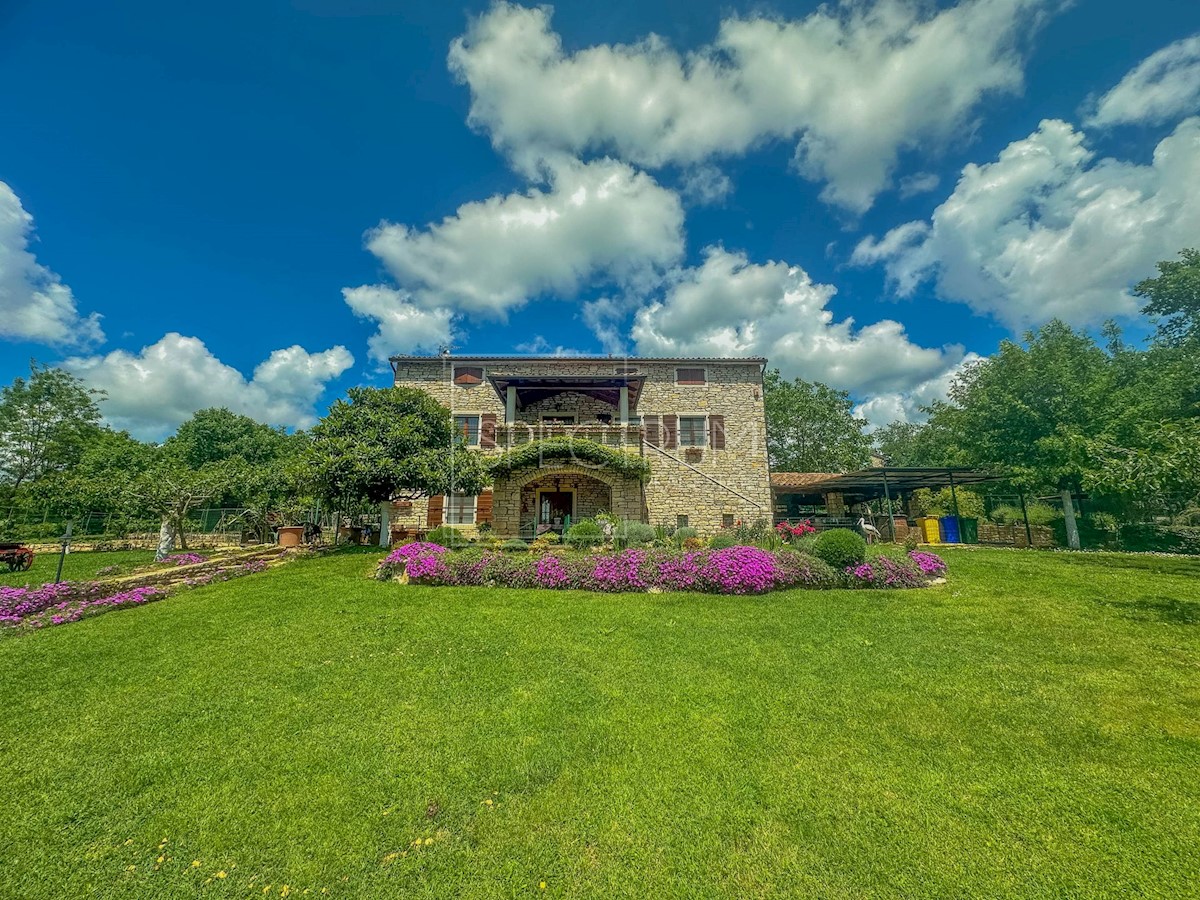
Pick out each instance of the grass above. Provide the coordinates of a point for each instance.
(1029, 729)
(76, 567)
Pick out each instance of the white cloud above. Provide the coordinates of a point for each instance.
(705, 185)
(403, 326)
(854, 86)
(598, 220)
(1048, 230)
(728, 306)
(1164, 87)
(905, 406)
(34, 303)
(918, 183)
(153, 391)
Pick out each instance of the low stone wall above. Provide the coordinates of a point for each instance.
(143, 541)
(1014, 535)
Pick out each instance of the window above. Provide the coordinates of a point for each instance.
(468, 428)
(692, 431)
(625, 370)
(681, 522)
(467, 376)
(460, 509)
(691, 376)
(726, 520)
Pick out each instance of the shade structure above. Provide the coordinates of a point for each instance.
(872, 484)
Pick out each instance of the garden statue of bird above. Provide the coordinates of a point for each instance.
(870, 532)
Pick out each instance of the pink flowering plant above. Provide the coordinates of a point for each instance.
(729, 570)
(67, 601)
(33, 607)
(916, 569)
(419, 560)
(183, 559)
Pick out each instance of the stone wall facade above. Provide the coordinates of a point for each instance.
(706, 486)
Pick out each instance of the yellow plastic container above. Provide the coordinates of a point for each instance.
(931, 529)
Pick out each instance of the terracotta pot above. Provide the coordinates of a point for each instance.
(291, 535)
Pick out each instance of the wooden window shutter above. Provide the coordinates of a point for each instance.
(691, 375)
(650, 425)
(487, 430)
(670, 431)
(716, 432)
(436, 503)
(483, 508)
(468, 375)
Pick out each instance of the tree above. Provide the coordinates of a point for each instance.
(1029, 410)
(385, 444)
(170, 489)
(217, 434)
(100, 480)
(1174, 298)
(1164, 464)
(45, 421)
(811, 427)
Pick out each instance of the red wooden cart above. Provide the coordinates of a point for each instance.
(16, 557)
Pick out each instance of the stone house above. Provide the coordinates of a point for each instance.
(698, 424)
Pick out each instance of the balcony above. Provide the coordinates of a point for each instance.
(628, 437)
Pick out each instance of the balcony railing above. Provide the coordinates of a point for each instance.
(628, 437)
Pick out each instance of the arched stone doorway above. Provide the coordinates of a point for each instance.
(542, 498)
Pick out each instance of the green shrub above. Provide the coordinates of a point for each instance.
(584, 534)
(721, 540)
(806, 543)
(447, 536)
(1039, 514)
(912, 540)
(840, 547)
(1161, 538)
(682, 534)
(514, 545)
(633, 534)
(941, 503)
(1190, 516)
(753, 533)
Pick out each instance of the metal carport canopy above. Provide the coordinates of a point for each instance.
(869, 484)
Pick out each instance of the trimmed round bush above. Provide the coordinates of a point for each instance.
(584, 534)
(634, 534)
(514, 545)
(721, 540)
(840, 548)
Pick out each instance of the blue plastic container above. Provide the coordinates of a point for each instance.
(949, 529)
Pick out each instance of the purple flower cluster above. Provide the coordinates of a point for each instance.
(419, 559)
(184, 559)
(68, 601)
(915, 570)
(731, 570)
(929, 563)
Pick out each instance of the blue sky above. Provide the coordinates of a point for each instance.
(252, 204)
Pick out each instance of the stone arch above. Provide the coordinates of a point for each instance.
(522, 477)
(625, 495)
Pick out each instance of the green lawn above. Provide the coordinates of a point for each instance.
(76, 567)
(1031, 729)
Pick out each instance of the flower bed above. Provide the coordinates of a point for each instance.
(68, 601)
(730, 570)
